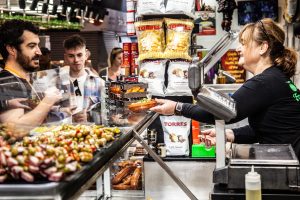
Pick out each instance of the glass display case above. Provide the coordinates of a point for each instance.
(60, 159)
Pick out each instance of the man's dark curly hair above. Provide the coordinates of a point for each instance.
(11, 34)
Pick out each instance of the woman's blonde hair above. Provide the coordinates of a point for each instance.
(113, 54)
(266, 30)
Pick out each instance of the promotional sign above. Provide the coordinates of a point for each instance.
(230, 64)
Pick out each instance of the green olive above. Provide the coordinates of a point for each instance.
(61, 158)
(31, 150)
(14, 151)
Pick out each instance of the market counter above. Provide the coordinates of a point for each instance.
(220, 192)
(196, 173)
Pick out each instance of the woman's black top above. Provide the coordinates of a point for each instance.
(271, 102)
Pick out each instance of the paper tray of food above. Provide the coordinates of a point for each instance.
(142, 105)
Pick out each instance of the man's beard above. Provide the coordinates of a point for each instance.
(24, 61)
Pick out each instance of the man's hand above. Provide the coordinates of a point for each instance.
(80, 117)
(52, 95)
(165, 107)
(17, 103)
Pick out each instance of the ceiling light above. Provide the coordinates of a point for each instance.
(45, 6)
(33, 4)
(22, 4)
(64, 10)
(56, 3)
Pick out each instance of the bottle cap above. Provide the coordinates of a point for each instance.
(253, 176)
(195, 59)
(252, 180)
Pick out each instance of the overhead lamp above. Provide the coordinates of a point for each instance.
(87, 13)
(45, 6)
(72, 12)
(33, 4)
(22, 4)
(97, 17)
(55, 5)
(92, 16)
(64, 10)
(102, 13)
(79, 13)
(101, 19)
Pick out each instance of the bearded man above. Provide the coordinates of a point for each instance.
(19, 47)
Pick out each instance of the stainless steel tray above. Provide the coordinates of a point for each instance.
(263, 154)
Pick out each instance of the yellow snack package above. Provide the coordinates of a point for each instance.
(178, 38)
(151, 39)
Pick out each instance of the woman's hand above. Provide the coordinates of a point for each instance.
(211, 133)
(165, 107)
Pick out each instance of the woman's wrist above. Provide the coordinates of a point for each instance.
(178, 108)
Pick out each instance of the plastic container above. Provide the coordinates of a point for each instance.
(201, 151)
(162, 150)
(253, 185)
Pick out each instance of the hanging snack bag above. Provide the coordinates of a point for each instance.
(186, 7)
(178, 79)
(150, 7)
(153, 73)
(176, 132)
(151, 39)
(178, 38)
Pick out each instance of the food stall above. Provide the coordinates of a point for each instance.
(163, 71)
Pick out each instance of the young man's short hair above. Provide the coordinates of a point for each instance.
(74, 41)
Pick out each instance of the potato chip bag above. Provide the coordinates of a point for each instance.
(178, 84)
(153, 73)
(150, 7)
(151, 39)
(186, 7)
(178, 38)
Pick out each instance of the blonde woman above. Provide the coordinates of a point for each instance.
(269, 100)
(114, 65)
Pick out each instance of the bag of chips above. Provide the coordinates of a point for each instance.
(153, 73)
(150, 7)
(176, 134)
(178, 38)
(186, 7)
(178, 79)
(151, 39)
